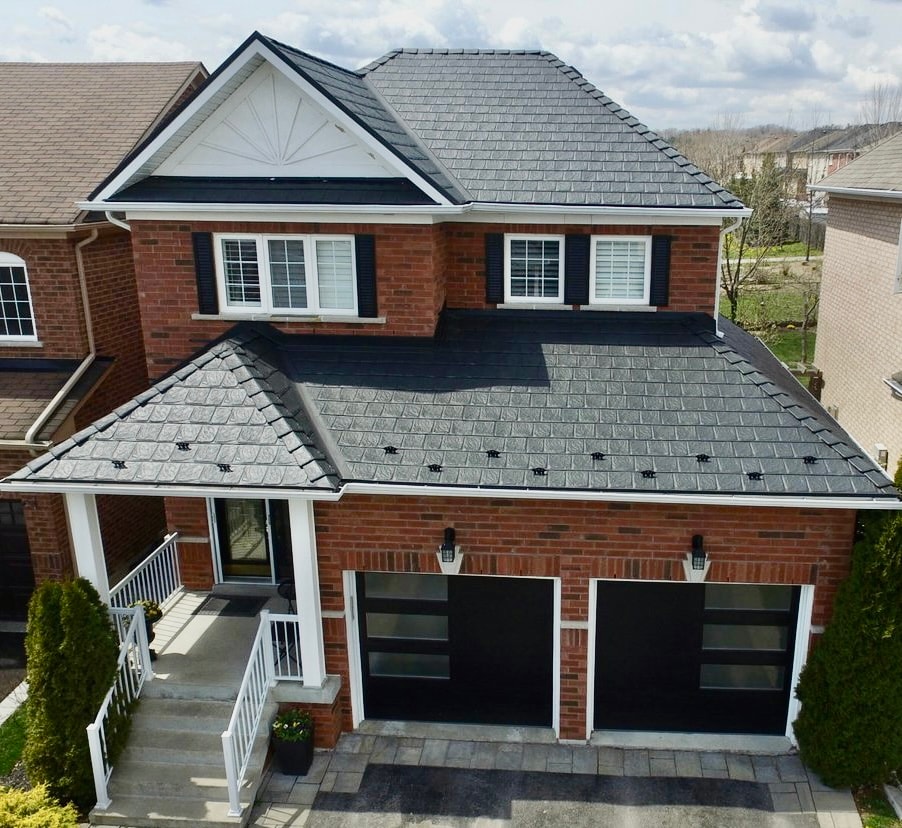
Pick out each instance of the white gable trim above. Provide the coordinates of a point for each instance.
(258, 50)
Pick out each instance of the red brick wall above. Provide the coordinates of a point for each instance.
(188, 517)
(693, 260)
(55, 298)
(575, 542)
(130, 526)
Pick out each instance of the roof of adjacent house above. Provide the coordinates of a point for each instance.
(64, 126)
(499, 126)
(879, 169)
(601, 402)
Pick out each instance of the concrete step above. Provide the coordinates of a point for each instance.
(181, 715)
(167, 689)
(157, 812)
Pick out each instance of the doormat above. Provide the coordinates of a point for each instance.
(231, 606)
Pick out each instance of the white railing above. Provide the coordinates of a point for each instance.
(275, 656)
(132, 670)
(156, 578)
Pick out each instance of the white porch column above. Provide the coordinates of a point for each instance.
(306, 582)
(87, 544)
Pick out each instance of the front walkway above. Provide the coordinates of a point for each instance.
(355, 784)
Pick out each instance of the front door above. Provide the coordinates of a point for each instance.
(694, 657)
(16, 575)
(253, 539)
(456, 649)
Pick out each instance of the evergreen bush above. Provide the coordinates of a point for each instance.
(850, 726)
(34, 809)
(71, 650)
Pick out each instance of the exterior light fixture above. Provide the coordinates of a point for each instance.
(449, 555)
(696, 563)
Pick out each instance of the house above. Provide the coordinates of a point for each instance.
(438, 340)
(70, 344)
(860, 313)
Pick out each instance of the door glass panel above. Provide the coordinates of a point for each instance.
(410, 587)
(395, 625)
(243, 542)
(744, 637)
(748, 596)
(409, 665)
(741, 677)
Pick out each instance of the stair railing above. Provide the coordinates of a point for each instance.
(156, 578)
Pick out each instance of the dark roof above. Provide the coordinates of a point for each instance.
(204, 190)
(522, 126)
(644, 393)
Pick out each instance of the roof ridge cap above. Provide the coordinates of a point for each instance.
(447, 50)
(316, 58)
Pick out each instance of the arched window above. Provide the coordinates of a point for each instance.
(16, 316)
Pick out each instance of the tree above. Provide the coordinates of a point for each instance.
(71, 651)
(746, 248)
(850, 725)
(882, 107)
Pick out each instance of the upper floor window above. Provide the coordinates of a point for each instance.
(16, 315)
(534, 269)
(620, 272)
(308, 274)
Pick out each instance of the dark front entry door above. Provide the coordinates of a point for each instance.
(456, 649)
(253, 538)
(16, 575)
(694, 657)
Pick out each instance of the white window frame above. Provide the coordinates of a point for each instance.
(646, 292)
(12, 260)
(532, 300)
(266, 307)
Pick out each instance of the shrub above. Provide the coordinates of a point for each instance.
(850, 725)
(71, 651)
(34, 809)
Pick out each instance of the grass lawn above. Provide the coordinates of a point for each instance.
(12, 740)
(758, 307)
(787, 345)
(875, 811)
(789, 249)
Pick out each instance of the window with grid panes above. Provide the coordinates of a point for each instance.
(534, 269)
(16, 315)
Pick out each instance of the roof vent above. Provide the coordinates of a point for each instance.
(434, 467)
(118, 464)
(703, 458)
(540, 471)
(598, 455)
(809, 459)
(224, 467)
(390, 449)
(183, 446)
(494, 454)
(755, 475)
(648, 473)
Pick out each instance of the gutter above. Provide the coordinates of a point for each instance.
(31, 435)
(857, 192)
(728, 229)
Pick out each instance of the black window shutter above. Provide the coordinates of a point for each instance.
(576, 269)
(205, 272)
(365, 254)
(494, 267)
(660, 270)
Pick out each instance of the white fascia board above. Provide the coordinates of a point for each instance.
(857, 192)
(578, 214)
(402, 490)
(257, 49)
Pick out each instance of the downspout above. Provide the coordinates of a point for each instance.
(118, 222)
(728, 229)
(31, 435)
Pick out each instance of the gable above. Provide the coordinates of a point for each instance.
(270, 127)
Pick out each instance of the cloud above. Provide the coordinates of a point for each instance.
(783, 17)
(61, 24)
(137, 43)
(852, 25)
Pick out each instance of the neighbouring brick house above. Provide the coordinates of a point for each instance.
(70, 344)
(437, 339)
(858, 346)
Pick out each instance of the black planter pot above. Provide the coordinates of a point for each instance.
(148, 625)
(293, 758)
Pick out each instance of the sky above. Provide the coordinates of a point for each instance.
(672, 63)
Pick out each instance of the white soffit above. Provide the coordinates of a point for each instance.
(269, 127)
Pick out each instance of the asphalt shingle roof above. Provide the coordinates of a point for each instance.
(64, 126)
(643, 393)
(879, 169)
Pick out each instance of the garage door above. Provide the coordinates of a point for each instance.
(16, 577)
(694, 657)
(456, 649)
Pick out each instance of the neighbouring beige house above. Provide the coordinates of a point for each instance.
(859, 347)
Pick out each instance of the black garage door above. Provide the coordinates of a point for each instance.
(711, 658)
(456, 649)
(16, 576)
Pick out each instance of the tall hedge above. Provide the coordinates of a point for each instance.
(850, 726)
(71, 649)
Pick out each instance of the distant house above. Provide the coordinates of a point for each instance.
(70, 344)
(859, 347)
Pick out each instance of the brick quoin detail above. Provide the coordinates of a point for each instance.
(575, 542)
